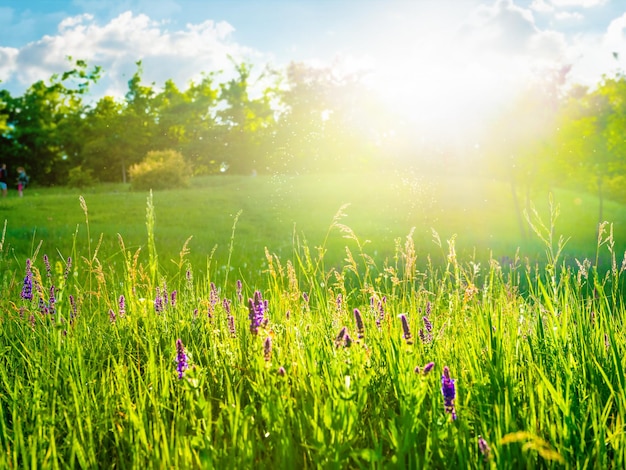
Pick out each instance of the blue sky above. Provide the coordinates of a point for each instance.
(443, 56)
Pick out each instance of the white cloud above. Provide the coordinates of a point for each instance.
(578, 3)
(181, 55)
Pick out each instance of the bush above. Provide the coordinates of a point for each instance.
(162, 169)
(80, 178)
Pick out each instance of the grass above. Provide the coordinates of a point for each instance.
(536, 349)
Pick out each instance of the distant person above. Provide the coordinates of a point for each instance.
(4, 179)
(22, 180)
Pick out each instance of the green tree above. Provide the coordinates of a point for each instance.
(40, 130)
(591, 134)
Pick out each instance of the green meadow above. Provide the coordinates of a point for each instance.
(389, 320)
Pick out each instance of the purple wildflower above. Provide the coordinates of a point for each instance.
(428, 367)
(281, 371)
(360, 328)
(122, 305)
(74, 309)
(381, 312)
(448, 391)
(181, 358)
(52, 301)
(41, 305)
(267, 349)
(46, 261)
(231, 326)
(27, 288)
(340, 337)
(425, 333)
(257, 308)
(214, 297)
(239, 291)
(68, 266)
(112, 316)
(173, 297)
(406, 331)
(226, 306)
(484, 447)
(339, 301)
(158, 302)
(347, 341)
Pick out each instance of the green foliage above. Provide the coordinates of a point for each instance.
(80, 177)
(164, 169)
(93, 372)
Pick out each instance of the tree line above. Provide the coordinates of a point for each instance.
(304, 119)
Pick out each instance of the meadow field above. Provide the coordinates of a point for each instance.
(356, 321)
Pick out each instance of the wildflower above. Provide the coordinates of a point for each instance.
(239, 289)
(428, 367)
(165, 295)
(173, 298)
(448, 391)
(405, 329)
(425, 333)
(267, 348)
(484, 447)
(257, 308)
(281, 371)
(339, 301)
(68, 266)
(52, 301)
(74, 313)
(226, 306)
(231, 326)
(381, 311)
(347, 341)
(27, 288)
(112, 317)
(46, 261)
(158, 302)
(214, 297)
(340, 337)
(181, 358)
(122, 305)
(305, 297)
(360, 328)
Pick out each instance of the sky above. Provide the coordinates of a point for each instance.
(439, 60)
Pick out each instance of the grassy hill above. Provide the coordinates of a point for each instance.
(275, 210)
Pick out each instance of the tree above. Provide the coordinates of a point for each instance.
(591, 134)
(37, 132)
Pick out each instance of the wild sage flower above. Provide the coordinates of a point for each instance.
(46, 262)
(112, 316)
(122, 305)
(428, 367)
(425, 333)
(256, 308)
(158, 302)
(360, 328)
(448, 391)
(305, 297)
(68, 266)
(339, 302)
(173, 297)
(52, 301)
(406, 331)
(340, 337)
(267, 349)
(381, 312)
(181, 358)
(74, 313)
(281, 371)
(239, 291)
(484, 447)
(231, 326)
(27, 288)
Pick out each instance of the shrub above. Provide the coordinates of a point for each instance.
(162, 169)
(80, 178)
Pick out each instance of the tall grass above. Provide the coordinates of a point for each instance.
(92, 376)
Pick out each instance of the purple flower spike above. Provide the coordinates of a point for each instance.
(122, 305)
(428, 367)
(281, 371)
(257, 308)
(406, 331)
(112, 316)
(340, 337)
(239, 289)
(27, 288)
(173, 298)
(46, 261)
(231, 326)
(484, 447)
(267, 349)
(52, 301)
(360, 328)
(448, 391)
(181, 359)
